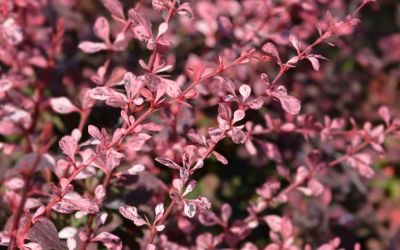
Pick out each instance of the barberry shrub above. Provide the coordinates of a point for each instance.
(123, 124)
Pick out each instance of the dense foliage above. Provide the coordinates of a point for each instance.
(224, 124)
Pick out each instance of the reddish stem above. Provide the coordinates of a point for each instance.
(24, 197)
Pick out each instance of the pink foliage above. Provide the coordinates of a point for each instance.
(161, 66)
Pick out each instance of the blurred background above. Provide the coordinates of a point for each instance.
(361, 74)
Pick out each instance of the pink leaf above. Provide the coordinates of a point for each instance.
(245, 91)
(151, 247)
(11, 31)
(201, 202)
(162, 29)
(289, 103)
(183, 174)
(130, 213)
(205, 241)
(333, 244)
(274, 222)
(225, 25)
(185, 9)
(92, 47)
(110, 241)
(132, 85)
(100, 192)
(161, 90)
(100, 93)
(256, 103)
(161, 5)
(94, 132)
(288, 127)
(226, 212)
(295, 43)
(250, 246)
(142, 33)
(69, 146)
(102, 29)
(316, 187)
(136, 169)
(167, 162)
(238, 115)
(173, 90)
(75, 202)
(159, 210)
(38, 61)
(189, 210)
(115, 7)
(67, 232)
(227, 84)
(39, 212)
(265, 79)
(220, 157)
(14, 183)
(5, 85)
(32, 246)
(142, 25)
(238, 136)
(270, 48)
(384, 113)
(151, 126)
(190, 187)
(362, 162)
(314, 61)
(121, 42)
(225, 112)
(268, 189)
(208, 218)
(63, 105)
(250, 147)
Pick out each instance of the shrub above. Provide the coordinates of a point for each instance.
(150, 103)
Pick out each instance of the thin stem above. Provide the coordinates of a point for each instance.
(21, 205)
(323, 37)
(172, 204)
(171, 11)
(333, 163)
(162, 220)
(89, 233)
(153, 55)
(90, 229)
(212, 74)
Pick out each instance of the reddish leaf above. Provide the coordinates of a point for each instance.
(270, 48)
(5, 85)
(45, 234)
(167, 162)
(295, 43)
(102, 29)
(185, 9)
(63, 105)
(245, 91)
(289, 103)
(130, 213)
(115, 7)
(92, 47)
(208, 218)
(69, 146)
(274, 222)
(384, 113)
(314, 61)
(109, 240)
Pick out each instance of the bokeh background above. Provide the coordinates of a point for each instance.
(361, 74)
